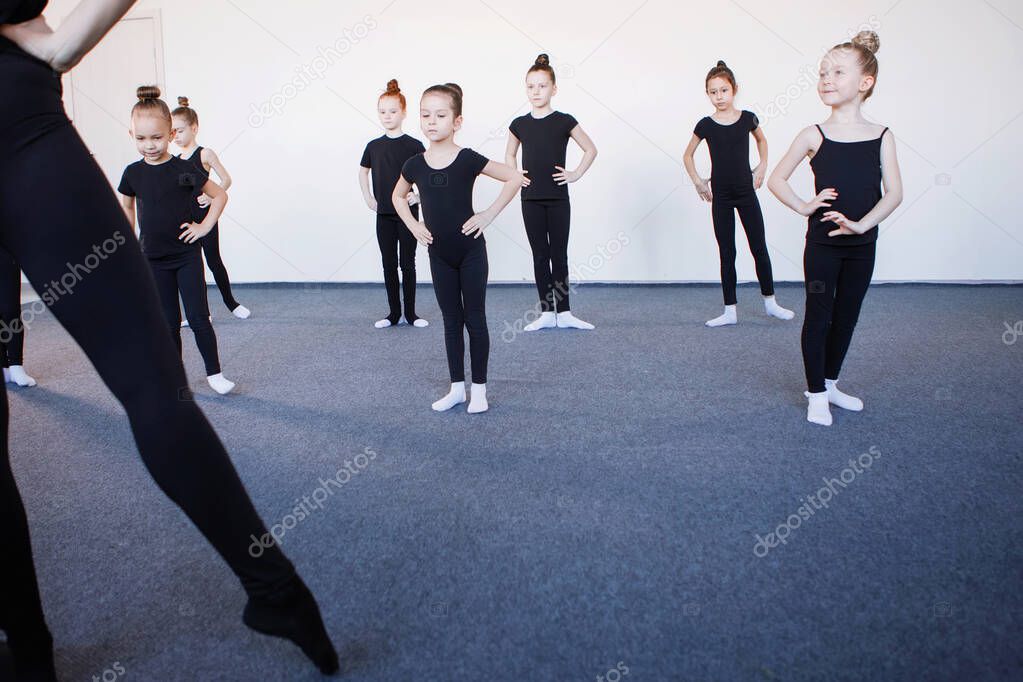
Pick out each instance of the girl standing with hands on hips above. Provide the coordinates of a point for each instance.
(851, 160)
(186, 127)
(165, 188)
(444, 175)
(384, 158)
(546, 212)
(733, 186)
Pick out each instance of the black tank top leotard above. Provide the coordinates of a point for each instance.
(853, 169)
(196, 160)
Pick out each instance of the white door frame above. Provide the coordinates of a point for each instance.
(135, 14)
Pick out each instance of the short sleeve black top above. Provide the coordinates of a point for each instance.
(385, 156)
(17, 11)
(164, 200)
(853, 169)
(446, 194)
(729, 150)
(544, 145)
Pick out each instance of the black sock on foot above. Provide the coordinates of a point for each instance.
(393, 318)
(292, 614)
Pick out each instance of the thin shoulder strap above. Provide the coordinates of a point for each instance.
(883, 132)
(821, 131)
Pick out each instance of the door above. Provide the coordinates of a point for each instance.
(101, 89)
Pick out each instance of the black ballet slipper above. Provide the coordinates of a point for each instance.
(291, 613)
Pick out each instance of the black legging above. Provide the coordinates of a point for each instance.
(211, 251)
(12, 330)
(56, 207)
(722, 210)
(837, 278)
(547, 222)
(460, 282)
(183, 274)
(391, 233)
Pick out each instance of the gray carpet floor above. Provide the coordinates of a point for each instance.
(600, 522)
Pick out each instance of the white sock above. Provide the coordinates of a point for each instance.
(478, 399)
(220, 384)
(420, 322)
(817, 411)
(545, 321)
(839, 399)
(382, 324)
(728, 317)
(17, 375)
(567, 320)
(456, 396)
(775, 310)
(241, 312)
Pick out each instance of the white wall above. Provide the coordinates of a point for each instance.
(632, 73)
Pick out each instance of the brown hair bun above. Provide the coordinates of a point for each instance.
(867, 40)
(144, 92)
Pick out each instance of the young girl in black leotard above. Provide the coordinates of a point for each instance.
(164, 187)
(733, 187)
(445, 175)
(544, 135)
(383, 158)
(851, 159)
(56, 208)
(186, 127)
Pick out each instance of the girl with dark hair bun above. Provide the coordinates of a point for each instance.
(733, 187)
(445, 175)
(186, 128)
(383, 159)
(851, 161)
(544, 134)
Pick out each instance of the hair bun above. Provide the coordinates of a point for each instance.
(722, 64)
(182, 101)
(867, 40)
(542, 60)
(392, 87)
(456, 87)
(144, 92)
